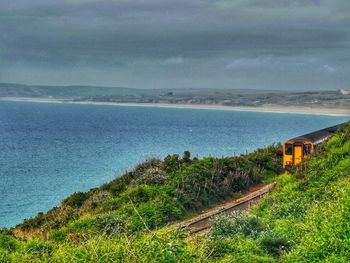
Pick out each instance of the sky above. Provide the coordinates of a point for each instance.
(216, 44)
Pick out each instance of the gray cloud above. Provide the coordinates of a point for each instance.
(262, 44)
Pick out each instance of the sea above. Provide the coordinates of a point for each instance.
(49, 151)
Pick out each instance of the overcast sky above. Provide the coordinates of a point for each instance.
(257, 44)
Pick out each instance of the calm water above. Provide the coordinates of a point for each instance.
(48, 151)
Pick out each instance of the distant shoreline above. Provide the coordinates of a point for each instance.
(267, 108)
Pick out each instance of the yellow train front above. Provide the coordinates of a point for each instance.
(296, 149)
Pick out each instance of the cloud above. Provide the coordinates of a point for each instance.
(178, 60)
(199, 43)
(329, 69)
(246, 63)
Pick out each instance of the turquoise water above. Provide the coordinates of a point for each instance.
(48, 151)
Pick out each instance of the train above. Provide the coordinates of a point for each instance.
(298, 148)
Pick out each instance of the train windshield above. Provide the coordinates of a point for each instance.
(307, 149)
(289, 149)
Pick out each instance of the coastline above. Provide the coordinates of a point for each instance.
(267, 108)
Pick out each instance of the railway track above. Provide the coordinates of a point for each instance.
(201, 222)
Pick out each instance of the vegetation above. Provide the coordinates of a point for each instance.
(157, 192)
(305, 219)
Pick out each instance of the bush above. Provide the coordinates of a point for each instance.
(58, 235)
(186, 158)
(171, 163)
(110, 224)
(142, 167)
(117, 188)
(151, 176)
(238, 222)
(8, 242)
(77, 199)
(140, 193)
(236, 249)
(155, 213)
(38, 247)
(97, 199)
(275, 243)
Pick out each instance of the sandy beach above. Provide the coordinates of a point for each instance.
(265, 108)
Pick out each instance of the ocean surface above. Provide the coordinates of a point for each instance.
(48, 151)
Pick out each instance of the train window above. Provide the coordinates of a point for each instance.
(289, 149)
(307, 149)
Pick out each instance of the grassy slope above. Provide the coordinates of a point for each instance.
(150, 196)
(306, 219)
(159, 192)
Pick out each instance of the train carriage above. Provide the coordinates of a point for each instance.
(296, 149)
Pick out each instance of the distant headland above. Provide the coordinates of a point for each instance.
(335, 102)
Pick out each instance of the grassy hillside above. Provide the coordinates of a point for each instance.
(157, 192)
(306, 218)
(150, 196)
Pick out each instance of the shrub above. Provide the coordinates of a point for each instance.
(186, 158)
(38, 247)
(58, 235)
(236, 249)
(77, 199)
(82, 224)
(117, 188)
(140, 193)
(156, 212)
(142, 167)
(151, 176)
(275, 243)
(97, 199)
(171, 163)
(8, 242)
(110, 224)
(237, 222)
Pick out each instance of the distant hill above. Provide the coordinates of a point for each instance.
(74, 92)
(227, 97)
(64, 92)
